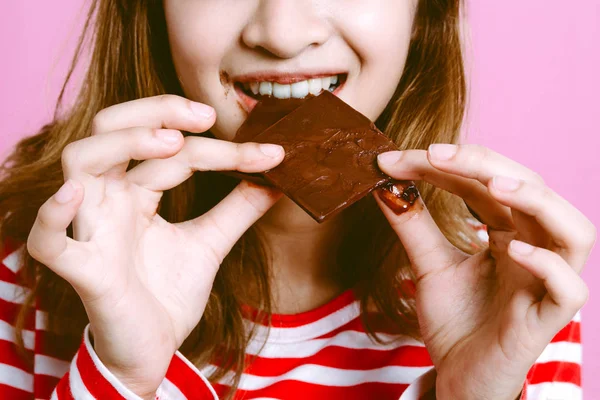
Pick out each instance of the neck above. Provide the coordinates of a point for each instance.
(303, 258)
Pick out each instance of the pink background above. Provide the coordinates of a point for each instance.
(534, 97)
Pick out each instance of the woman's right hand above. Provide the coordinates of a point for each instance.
(145, 282)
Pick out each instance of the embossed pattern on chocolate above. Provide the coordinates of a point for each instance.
(331, 155)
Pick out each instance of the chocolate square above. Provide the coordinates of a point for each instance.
(266, 113)
(331, 155)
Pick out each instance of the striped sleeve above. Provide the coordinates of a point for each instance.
(557, 372)
(88, 378)
(16, 370)
(48, 369)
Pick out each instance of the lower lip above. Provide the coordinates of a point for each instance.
(248, 103)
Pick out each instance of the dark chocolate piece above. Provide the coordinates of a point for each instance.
(265, 113)
(331, 155)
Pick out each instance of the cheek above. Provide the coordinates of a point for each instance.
(195, 46)
(200, 42)
(379, 32)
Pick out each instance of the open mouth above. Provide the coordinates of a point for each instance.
(253, 91)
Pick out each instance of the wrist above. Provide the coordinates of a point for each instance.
(143, 382)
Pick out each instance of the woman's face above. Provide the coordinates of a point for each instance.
(228, 53)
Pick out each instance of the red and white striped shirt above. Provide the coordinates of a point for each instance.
(321, 354)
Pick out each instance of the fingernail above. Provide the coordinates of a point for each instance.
(271, 150)
(506, 184)
(521, 248)
(442, 152)
(399, 196)
(201, 110)
(168, 136)
(389, 158)
(65, 193)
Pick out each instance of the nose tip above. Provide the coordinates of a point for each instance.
(285, 28)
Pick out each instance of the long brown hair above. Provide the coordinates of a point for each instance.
(130, 59)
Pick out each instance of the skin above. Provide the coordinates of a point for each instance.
(486, 318)
(500, 308)
(272, 37)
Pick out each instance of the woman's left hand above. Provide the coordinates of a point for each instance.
(486, 318)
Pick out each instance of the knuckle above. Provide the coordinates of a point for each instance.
(415, 160)
(142, 135)
(189, 141)
(43, 215)
(537, 179)
(579, 297)
(242, 152)
(573, 292)
(35, 245)
(476, 155)
(591, 235)
(193, 153)
(584, 294)
(483, 153)
(170, 102)
(581, 239)
(99, 122)
(546, 193)
(190, 146)
(69, 155)
(476, 149)
(34, 249)
(586, 239)
(541, 199)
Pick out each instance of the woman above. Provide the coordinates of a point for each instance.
(216, 265)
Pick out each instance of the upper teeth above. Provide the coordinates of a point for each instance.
(296, 90)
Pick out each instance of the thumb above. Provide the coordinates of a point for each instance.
(222, 226)
(426, 246)
(48, 242)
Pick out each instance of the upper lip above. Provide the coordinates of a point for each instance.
(284, 78)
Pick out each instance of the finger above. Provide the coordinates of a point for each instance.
(426, 246)
(107, 156)
(111, 152)
(204, 154)
(566, 291)
(48, 241)
(414, 165)
(222, 226)
(477, 162)
(569, 229)
(166, 111)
